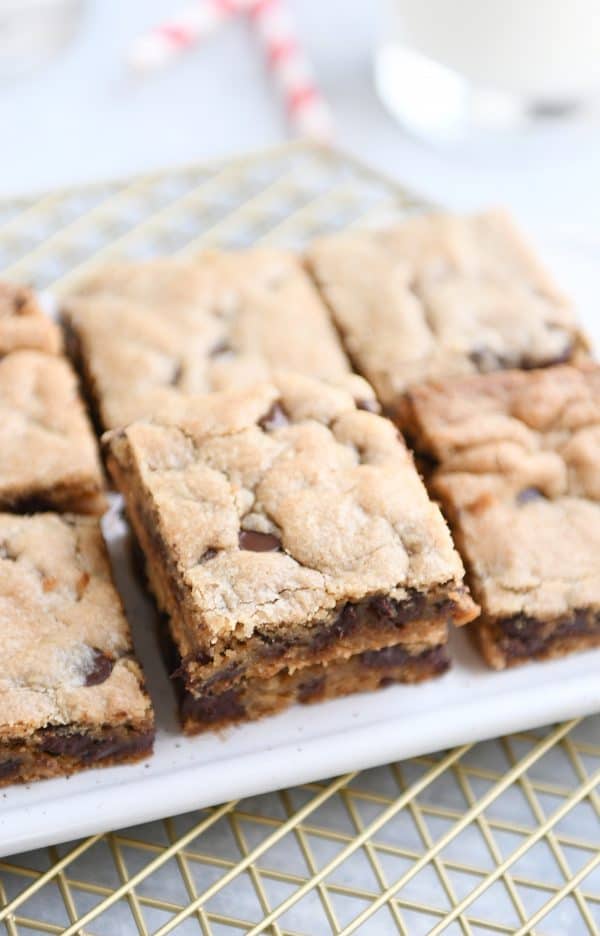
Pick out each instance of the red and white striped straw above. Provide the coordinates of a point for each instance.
(305, 105)
(288, 64)
(195, 23)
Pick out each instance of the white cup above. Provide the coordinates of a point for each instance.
(447, 67)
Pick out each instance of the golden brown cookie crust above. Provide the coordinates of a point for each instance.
(442, 296)
(148, 335)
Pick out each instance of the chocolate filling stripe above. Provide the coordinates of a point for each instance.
(20, 758)
(370, 624)
(522, 636)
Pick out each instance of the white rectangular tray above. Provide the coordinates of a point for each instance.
(306, 742)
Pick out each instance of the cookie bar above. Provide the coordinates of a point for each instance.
(146, 335)
(253, 698)
(515, 460)
(48, 453)
(71, 693)
(441, 296)
(23, 324)
(283, 528)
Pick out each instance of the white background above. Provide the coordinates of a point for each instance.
(82, 116)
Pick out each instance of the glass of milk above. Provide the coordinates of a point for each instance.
(453, 69)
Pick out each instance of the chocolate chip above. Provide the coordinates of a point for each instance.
(529, 494)
(9, 767)
(582, 621)
(436, 658)
(178, 667)
(274, 419)
(273, 646)
(70, 745)
(221, 347)
(524, 636)
(311, 689)
(88, 749)
(528, 363)
(6, 553)
(389, 656)
(520, 624)
(212, 708)
(118, 746)
(401, 612)
(485, 359)
(20, 302)
(369, 405)
(228, 673)
(177, 374)
(258, 542)
(209, 554)
(341, 627)
(100, 669)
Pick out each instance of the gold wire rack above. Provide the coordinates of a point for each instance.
(497, 837)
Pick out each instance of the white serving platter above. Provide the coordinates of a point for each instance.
(470, 703)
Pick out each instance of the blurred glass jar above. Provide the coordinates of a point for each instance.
(453, 69)
(31, 31)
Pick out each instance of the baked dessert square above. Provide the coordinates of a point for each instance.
(146, 335)
(514, 458)
(23, 324)
(48, 453)
(283, 528)
(442, 296)
(71, 692)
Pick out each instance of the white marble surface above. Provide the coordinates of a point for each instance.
(83, 117)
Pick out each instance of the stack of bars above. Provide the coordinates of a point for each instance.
(71, 692)
(254, 408)
(287, 536)
(288, 539)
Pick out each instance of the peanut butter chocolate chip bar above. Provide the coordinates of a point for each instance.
(48, 453)
(23, 324)
(515, 461)
(285, 529)
(146, 335)
(71, 693)
(253, 698)
(442, 296)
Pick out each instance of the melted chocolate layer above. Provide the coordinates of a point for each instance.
(377, 614)
(213, 708)
(522, 636)
(74, 749)
(234, 705)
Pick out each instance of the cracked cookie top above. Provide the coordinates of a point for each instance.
(48, 453)
(274, 505)
(66, 646)
(23, 324)
(440, 296)
(518, 470)
(147, 334)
